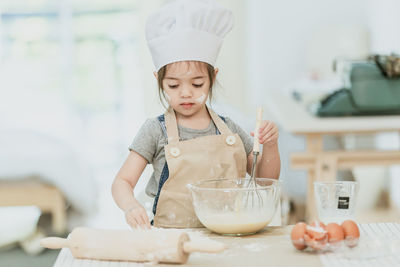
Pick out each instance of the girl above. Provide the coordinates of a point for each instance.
(189, 142)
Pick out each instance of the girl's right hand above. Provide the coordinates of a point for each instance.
(137, 217)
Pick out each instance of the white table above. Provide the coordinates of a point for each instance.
(320, 164)
(272, 247)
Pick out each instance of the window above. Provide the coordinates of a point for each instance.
(83, 52)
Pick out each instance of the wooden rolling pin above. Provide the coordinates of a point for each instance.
(156, 245)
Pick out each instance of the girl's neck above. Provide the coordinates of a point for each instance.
(199, 120)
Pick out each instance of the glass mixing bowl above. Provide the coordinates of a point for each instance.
(233, 206)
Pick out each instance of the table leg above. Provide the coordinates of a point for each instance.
(311, 211)
(59, 214)
(314, 145)
(325, 170)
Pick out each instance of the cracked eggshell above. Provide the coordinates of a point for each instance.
(319, 244)
(316, 235)
(316, 230)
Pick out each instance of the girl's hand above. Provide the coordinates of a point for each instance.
(268, 133)
(137, 217)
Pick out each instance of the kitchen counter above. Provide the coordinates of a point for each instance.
(379, 246)
(271, 247)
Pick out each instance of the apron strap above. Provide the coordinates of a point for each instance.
(172, 126)
(219, 123)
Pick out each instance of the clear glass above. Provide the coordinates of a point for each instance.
(335, 201)
(233, 206)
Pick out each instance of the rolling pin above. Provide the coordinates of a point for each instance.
(156, 245)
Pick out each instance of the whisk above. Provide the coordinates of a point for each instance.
(253, 193)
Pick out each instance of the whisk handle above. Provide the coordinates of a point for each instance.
(256, 144)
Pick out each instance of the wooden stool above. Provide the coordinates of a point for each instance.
(47, 197)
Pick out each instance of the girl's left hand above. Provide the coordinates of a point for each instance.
(268, 133)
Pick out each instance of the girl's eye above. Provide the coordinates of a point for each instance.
(198, 85)
(173, 86)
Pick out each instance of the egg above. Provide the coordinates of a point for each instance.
(335, 232)
(297, 235)
(316, 235)
(351, 233)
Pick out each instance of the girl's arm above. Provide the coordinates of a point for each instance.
(122, 190)
(269, 162)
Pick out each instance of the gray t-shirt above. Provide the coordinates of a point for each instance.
(150, 142)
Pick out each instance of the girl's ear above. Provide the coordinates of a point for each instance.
(216, 72)
(155, 74)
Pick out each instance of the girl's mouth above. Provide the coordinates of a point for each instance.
(187, 105)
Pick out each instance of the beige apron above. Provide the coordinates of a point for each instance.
(202, 158)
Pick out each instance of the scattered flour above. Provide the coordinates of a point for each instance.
(256, 247)
(197, 235)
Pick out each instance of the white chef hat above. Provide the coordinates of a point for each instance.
(187, 30)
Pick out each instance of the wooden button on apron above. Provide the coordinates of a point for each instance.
(175, 151)
(230, 140)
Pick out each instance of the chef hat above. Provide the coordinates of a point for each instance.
(187, 30)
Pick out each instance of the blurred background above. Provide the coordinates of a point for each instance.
(76, 83)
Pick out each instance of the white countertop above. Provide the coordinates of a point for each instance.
(378, 246)
(294, 117)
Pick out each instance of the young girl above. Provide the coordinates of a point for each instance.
(189, 142)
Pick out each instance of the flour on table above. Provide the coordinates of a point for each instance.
(255, 247)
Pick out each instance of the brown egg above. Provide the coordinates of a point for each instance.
(316, 235)
(297, 235)
(335, 233)
(351, 233)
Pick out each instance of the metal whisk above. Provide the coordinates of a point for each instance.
(253, 193)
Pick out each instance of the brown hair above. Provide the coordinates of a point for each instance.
(161, 75)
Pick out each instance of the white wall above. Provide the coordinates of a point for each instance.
(384, 22)
(279, 39)
(232, 60)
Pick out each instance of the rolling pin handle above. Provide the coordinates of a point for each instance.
(54, 242)
(207, 246)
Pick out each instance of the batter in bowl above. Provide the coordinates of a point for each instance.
(233, 223)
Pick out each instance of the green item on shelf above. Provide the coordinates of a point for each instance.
(371, 92)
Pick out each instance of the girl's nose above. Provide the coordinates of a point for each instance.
(186, 92)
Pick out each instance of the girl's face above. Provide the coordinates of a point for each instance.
(186, 86)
